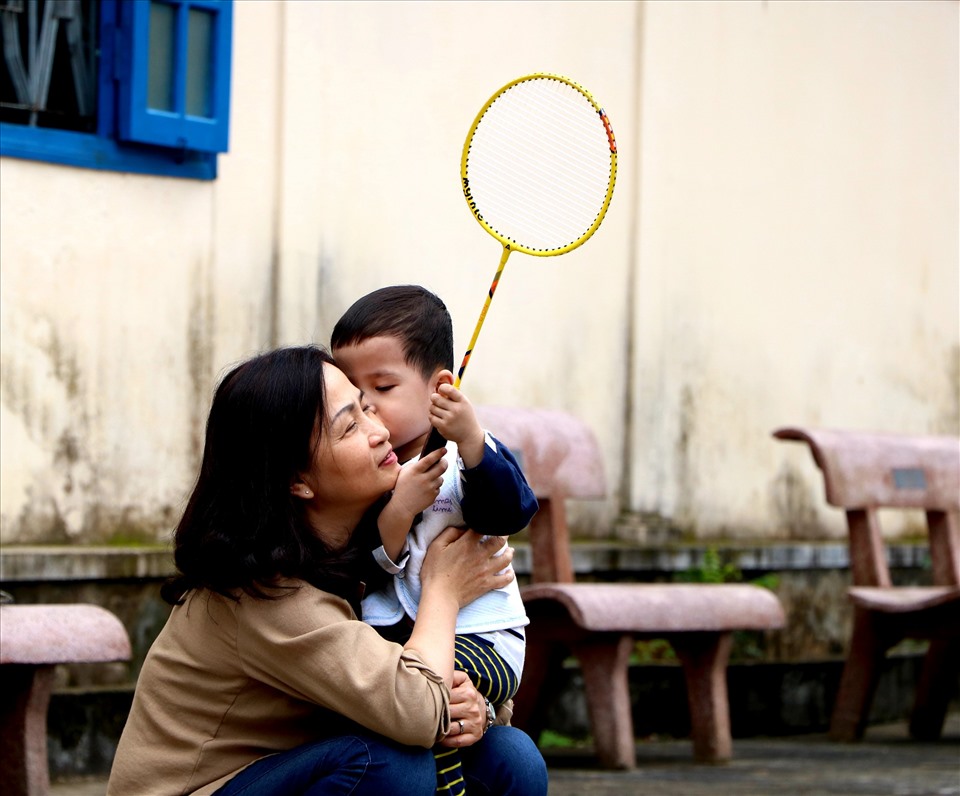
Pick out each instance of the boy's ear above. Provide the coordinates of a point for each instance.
(301, 490)
(442, 377)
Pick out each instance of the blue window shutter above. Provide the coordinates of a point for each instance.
(176, 121)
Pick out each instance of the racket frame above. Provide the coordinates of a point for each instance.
(509, 243)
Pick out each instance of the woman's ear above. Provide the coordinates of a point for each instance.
(301, 490)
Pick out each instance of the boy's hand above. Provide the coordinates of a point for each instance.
(453, 416)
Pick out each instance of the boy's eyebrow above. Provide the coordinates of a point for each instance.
(347, 407)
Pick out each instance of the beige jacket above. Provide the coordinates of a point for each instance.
(226, 683)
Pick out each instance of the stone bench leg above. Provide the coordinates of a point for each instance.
(603, 661)
(861, 674)
(940, 666)
(23, 728)
(704, 657)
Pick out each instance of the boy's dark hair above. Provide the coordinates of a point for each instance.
(412, 314)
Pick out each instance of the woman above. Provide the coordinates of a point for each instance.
(263, 680)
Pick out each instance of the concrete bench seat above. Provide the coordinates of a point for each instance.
(864, 472)
(658, 608)
(905, 599)
(600, 623)
(33, 640)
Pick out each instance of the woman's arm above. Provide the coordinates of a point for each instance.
(309, 645)
(459, 567)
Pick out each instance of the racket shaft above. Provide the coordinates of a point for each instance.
(483, 315)
(436, 440)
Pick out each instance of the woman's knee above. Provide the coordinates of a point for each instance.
(506, 761)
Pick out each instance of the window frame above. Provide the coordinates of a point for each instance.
(105, 149)
(176, 129)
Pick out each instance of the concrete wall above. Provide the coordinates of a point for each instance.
(796, 249)
(781, 248)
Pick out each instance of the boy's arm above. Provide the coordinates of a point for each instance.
(394, 526)
(497, 499)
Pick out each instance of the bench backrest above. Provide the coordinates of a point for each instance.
(561, 459)
(864, 472)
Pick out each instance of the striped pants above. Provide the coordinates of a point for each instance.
(494, 680)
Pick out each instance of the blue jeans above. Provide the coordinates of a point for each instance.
(505, 763)
(359, 765)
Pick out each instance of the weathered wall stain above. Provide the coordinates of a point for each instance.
(685, 471)
(949, 422)
(42, 392)
(199, 358)
(794, 505)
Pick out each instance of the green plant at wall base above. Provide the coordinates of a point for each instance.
(555, 740)
(770, 581)
(134, 537)
(656, 650)
(712, 570)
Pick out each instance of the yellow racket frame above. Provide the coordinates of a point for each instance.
(508, 243)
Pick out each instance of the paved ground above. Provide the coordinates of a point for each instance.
(887, 763)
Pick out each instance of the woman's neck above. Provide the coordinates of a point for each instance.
(335, 527)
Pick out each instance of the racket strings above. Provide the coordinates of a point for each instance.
(554, 192)
(539, 164)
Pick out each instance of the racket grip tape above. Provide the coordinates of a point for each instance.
(435, 441)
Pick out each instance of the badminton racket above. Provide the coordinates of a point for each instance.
(537, 170)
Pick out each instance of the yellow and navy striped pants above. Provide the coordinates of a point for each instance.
(494, 680)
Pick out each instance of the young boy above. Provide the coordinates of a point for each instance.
(396, 345)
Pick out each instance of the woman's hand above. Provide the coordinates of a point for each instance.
(465, 565)
(468, 713)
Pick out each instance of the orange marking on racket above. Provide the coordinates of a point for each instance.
(463, 365)
(609, 129)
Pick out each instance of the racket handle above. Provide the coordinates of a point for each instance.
(435, 441)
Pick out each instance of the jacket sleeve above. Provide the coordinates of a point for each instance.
(497, 500)
(310, 645)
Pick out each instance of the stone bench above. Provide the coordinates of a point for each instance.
(33, 640)
(599, 623)
(864, 473)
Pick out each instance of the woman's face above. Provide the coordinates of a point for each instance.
(354, 463)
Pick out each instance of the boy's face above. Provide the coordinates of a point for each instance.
(399, 391)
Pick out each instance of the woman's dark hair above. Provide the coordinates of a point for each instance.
(242, 527)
